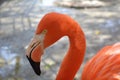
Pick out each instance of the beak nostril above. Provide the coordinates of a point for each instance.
(35, 43)
(32, 45)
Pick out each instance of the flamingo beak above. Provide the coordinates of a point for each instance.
(34, 53)
(35, 50)
(35, 66)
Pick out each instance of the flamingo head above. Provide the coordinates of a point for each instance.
(49, 30)
(37, 45)
(40, 41)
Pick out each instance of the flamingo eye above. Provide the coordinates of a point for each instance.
(44, 31)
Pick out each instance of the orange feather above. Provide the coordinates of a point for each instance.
(105, 65)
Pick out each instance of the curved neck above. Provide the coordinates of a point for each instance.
(75, 55)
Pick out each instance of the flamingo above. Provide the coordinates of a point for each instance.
(105, 65)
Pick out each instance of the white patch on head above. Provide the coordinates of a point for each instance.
(37, 39)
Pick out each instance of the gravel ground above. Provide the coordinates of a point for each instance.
(19, 19)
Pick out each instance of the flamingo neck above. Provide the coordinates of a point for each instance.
(75, 55)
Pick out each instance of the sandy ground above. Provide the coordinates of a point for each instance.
(19, 19)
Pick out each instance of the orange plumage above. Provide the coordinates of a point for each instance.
(105, 65)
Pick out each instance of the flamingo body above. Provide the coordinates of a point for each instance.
(105, 65)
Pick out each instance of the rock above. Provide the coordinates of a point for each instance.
(81, 4)
(2, 62)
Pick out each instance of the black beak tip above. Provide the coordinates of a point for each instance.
(35, 66)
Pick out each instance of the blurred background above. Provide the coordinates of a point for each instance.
(99, 19)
